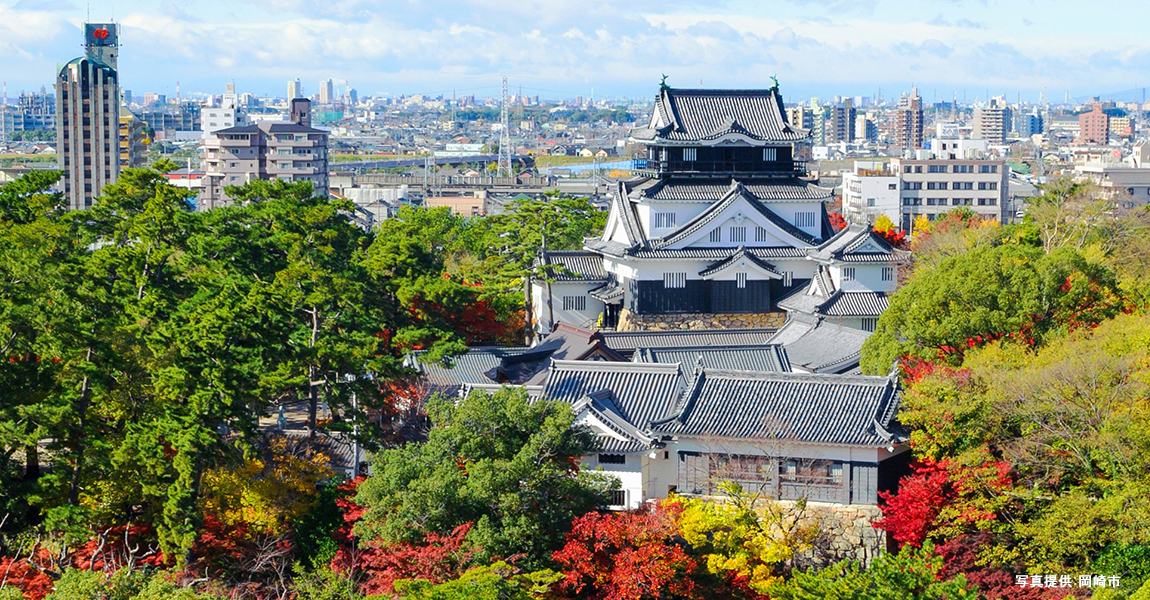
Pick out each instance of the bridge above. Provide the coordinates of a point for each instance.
(478, 159)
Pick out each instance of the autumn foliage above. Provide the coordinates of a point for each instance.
(24, 575)
(943, 496)
(626, 556)
(379, 565)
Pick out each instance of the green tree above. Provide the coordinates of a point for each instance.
(497, 460)
(987, 293)
(497, 581)
(912, 573)
(318, 289)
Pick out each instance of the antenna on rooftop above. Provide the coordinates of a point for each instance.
(504, 166)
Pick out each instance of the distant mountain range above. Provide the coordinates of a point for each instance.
(1132, 95)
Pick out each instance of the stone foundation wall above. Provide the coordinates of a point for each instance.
(847, 532)
(629, 321)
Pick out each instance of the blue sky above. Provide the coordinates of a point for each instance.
(564, 48)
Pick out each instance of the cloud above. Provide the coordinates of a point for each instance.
(929, 47)
(44, 5)
(968, 24)
(428, 45)
(940, 21)
(169, 8)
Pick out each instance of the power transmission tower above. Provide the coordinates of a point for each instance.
(504, 169)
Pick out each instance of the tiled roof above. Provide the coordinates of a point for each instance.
(854, 304)
(821, 347)
(626, 212)
(797, 407)
(848, 246)
(601, 406)
(771, 357)
(719, 253)
(801, 301)
(700, 115)
(607, 292)
(604, 247)
(739, 254)
(610, 445)
(490, 365)
(469, 367)
(713, 190)
(578, 265)
(865, 257)
(808, 299)
(735, 192)
(627, 341)
(640, 392)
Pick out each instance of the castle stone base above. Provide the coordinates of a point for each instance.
(629, 321)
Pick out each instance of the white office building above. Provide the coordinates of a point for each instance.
(870, 190)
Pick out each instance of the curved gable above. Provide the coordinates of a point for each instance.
(736, 205)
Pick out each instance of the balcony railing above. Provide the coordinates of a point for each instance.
(718, 167)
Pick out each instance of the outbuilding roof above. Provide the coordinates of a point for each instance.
(770, 357)
(857, 243)
(821, 347)
(625, 342)
(576, 265)
(854, 304)
(641, 392)
(795, 407)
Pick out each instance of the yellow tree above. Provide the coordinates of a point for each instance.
(747, 538)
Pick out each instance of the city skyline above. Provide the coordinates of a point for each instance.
(562, 50)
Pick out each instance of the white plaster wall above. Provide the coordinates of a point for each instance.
(630, 475)
(558, 290)
(787, 211)
(868, 277)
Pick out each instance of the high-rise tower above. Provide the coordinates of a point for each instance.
(88, 116)
(908, 122)
(504, 165)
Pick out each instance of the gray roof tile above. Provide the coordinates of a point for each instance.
(848, 246)
(678, 190)
(578, 265)
(821, 347)
(719, 253)
(798, 407)
(771, 357)
(700, 115)
(854, 304)
(641, 392)
(734, 257)
(627, 341)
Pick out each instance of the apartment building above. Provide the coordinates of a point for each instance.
(292, 151)
(908, 122)
(992, 122)
(133, 140)
(932, 187)
(870, 190)
(1094, 126)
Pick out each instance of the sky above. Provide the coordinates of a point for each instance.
(596, 48)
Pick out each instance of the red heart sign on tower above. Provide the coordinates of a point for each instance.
(100, 34)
